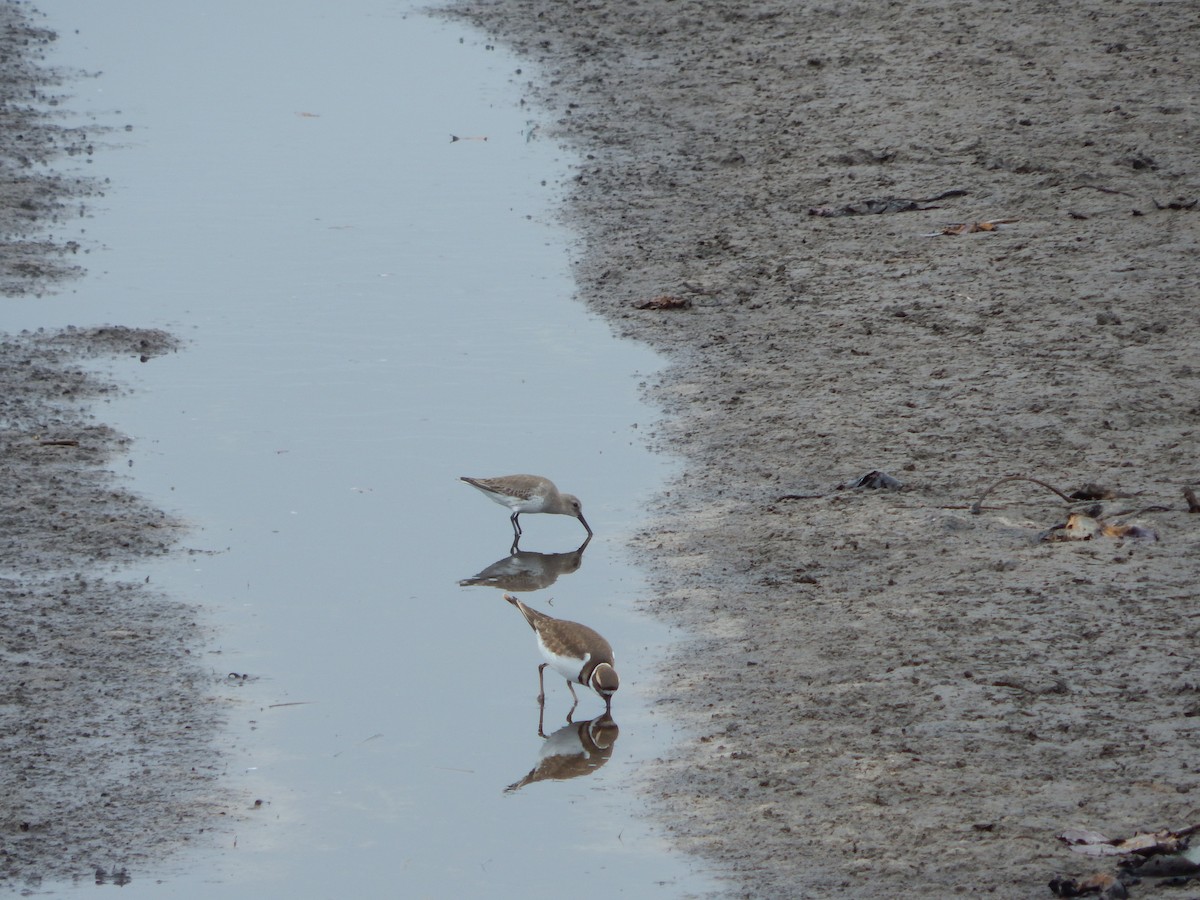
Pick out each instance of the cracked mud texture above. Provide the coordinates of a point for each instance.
(884, 694)
(107, 718)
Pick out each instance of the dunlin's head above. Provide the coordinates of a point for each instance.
(572, 503)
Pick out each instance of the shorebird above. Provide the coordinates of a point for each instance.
(574, 651)
(528, 494)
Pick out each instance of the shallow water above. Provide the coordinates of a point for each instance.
(372, 310)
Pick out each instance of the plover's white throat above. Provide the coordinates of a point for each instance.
(528, 494)
(574, 651)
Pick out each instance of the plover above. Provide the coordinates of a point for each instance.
(574, 651)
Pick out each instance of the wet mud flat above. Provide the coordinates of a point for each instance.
(108, 758)
(886, 692)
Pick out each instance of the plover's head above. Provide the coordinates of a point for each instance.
(604, 681)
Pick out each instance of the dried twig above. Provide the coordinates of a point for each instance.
(977, 507)
(1134, 513)
(1103, 190)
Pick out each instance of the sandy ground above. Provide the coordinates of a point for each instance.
(108, 719)
(888, 695)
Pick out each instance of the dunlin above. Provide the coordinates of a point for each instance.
(574, 651)
(528, 494)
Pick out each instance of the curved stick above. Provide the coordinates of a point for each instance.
(977, 508)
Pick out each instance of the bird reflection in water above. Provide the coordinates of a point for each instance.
(523, 571)
(576, 749)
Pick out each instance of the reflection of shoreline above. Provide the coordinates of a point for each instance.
(573, 750)
(524, 571)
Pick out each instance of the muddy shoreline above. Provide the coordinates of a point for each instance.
(887, 695)
(108, 720)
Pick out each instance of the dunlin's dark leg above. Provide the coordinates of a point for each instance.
(516, 525)
(541, 686)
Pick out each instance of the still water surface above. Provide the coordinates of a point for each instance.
(371, 311)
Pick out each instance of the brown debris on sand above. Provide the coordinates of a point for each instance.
(974, 227)
(706, 132)
(878, 205)
(1155, 855)
(663, 301)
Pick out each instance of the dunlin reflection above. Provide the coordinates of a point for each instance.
(523, 571)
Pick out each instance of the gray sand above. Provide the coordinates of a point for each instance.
(885, 694)
(108, 757)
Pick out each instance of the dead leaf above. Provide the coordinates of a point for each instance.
(1178, 204)
(1132, 532)
(1101, 883)
(1093, 491)
(875, 480)
(973, 227)
(879, 205)
(1093, 843)
(1083, 836)
(664, 301)
(1078, 527)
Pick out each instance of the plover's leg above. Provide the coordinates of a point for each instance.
(571, 688)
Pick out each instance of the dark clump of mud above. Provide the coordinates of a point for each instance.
(108, 760)
(950, 242)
